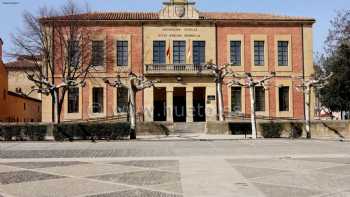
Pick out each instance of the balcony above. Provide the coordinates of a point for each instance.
(175, 69)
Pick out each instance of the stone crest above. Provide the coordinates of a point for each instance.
(180, 10)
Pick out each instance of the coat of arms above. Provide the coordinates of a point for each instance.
(180, 10)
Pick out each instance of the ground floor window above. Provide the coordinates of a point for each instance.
(73, 100)
(283, 93)
(259, 99)
(97, 100)
(236, 99)
(122, 100)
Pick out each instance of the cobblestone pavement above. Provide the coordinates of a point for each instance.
(271, 168)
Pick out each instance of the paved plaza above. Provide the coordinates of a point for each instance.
(271, 168)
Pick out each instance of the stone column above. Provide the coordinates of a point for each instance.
(189, 104)
(148, 104)
(169, 104)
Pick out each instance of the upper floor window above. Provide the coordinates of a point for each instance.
(236, 99)
(198, 52)
(98, 53)
(259, 98)
(122, 100)
(158, 52)
(283, 53)
(97, 100)
(179, 49)
(122, 53)
(259, 56)
(73, 53)
(73, 100)
(235, 53)
(283, 94)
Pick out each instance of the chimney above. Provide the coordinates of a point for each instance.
(1, 43)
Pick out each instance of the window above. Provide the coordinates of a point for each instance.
(73, 100)
(122, 53)
(259, 99)
(73, 53)
(158, 52)
(24, 106)
(283, 53)
(236, 99)
(97, 100)
(98, 53)
(259, 48)
(235, 53)
(283, 93)
(198, 52)
(179, 52)
(122, 100)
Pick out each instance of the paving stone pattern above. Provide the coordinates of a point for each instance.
(276, 168)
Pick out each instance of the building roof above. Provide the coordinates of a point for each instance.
(21, 64)
(23, 96)
(119, 16)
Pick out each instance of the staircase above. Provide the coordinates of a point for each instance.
(189, 128)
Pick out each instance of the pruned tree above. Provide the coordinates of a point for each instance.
(251, 83)
(219, 73)
(307, 87)
(135, 83)
(62, 46)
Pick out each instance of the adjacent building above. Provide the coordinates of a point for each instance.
(14, 105)
(173, 45)
(17, 75)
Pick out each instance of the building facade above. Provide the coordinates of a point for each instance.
(3, 87)
(16, 106)
(17, 76)
(173, 46)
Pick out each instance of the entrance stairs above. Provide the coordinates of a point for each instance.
(185, 128)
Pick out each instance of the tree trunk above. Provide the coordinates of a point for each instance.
(307, 112)
(252, 112)
(132, 110)
(55, 108)
(220, 101)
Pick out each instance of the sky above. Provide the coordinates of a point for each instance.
(322, 10)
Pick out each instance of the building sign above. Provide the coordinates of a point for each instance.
(211, 98)
(180, 32)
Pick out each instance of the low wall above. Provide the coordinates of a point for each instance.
(319, 129)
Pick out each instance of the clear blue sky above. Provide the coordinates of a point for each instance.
(322, 10)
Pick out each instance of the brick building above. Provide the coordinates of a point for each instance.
(173, 44)
(14, 106)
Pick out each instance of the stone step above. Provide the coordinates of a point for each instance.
(189, 127)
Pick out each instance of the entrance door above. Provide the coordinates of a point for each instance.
(159, 104)
(179, 101)
(199, 104)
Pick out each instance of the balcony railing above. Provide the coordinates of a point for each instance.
(175, 69)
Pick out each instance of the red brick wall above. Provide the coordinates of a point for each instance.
(270, 32)
(136, 61)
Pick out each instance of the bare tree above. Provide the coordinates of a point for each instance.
(251, 83)
(62, 45)
(307, 86)
(134, 84)
(219, 74)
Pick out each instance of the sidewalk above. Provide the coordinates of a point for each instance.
(191, 137)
